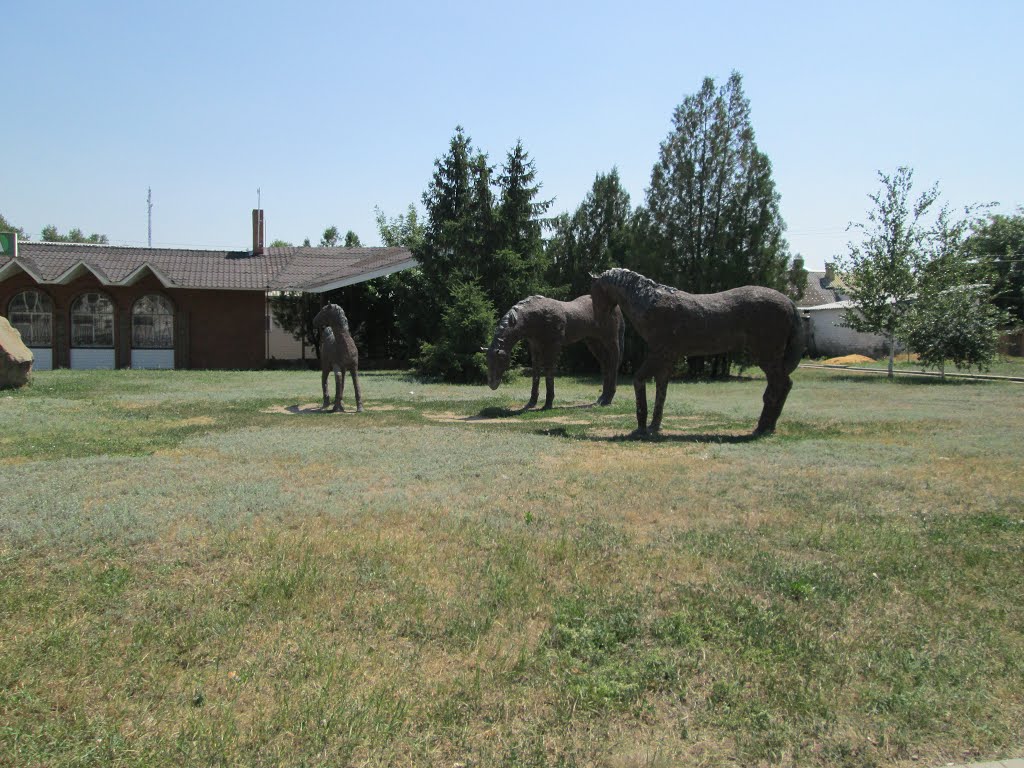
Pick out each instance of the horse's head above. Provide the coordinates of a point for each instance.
(604, 299)
(498, 360)
(330, 314)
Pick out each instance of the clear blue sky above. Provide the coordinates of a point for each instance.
(333, 108)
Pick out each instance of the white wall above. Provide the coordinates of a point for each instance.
(282, 345)
(92, 359)
(153, 358)
(829, 338)
(43, 358)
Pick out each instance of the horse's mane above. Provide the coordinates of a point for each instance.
(642, 291)
(511, 318)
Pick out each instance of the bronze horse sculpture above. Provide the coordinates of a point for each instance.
(760, 321)
(338, 353)
(548, 325)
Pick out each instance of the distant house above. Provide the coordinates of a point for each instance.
(103, 306)
(824, 306)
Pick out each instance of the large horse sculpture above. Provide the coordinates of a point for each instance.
(338, 353)
(548, 325)
(760, 321)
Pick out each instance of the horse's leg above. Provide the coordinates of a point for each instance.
(535, 388)
(550, 362)
(643, 373)
(598, 350)
(775, 394)
(339, 387)
(549, 388)
(661, 389)
(355, 386)
(323, 383)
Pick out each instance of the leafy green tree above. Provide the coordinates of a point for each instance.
(448, 241)
(881, 272)
(714, 218)
(330, 237)
(405, 292)
(280, 244)
(6, 226)
(482, 229)
(999, 240)
(953, 316)
(468, 318)
(352, 240)
(796, 278)
(594, 238)
(405, 230)
(50, 234)
(517, 265)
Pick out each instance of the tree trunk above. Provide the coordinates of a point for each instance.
(892, 352)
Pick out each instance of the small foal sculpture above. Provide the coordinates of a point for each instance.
(548, 325)
(338, 353)
(761, 321)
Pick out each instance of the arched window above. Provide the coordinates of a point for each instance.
(153, 323)
(92, 321)
(31, 312)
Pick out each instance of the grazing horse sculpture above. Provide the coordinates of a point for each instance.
(761, 321)
(548, 325)
(338, 353)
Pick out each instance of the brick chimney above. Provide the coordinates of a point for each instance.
(257, 232)
(830, 271)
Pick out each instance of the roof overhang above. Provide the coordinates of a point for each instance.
(362, 277)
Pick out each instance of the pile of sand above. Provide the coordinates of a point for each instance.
(848, 360)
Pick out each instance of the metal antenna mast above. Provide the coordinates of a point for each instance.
(149, 211)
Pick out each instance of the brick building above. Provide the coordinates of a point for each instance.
(102, 306)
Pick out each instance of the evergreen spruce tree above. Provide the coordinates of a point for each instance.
(712, 219)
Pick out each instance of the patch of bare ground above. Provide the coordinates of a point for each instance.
(847, 360)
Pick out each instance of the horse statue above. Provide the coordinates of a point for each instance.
(548, 325)
(761, 321)
(338, 353)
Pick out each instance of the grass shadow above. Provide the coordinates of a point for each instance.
(502, 412)
(633, 437)
(307, 410)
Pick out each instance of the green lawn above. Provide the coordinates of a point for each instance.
(197, 569)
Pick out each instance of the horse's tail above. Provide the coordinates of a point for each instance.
(795, 342)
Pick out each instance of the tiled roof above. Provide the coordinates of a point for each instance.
(306, 269)
(821, 290)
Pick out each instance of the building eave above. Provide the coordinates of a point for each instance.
(353, 279)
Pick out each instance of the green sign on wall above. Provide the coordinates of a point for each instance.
(8, 244)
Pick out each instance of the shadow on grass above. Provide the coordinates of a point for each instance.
(499, 412)
(660, 437)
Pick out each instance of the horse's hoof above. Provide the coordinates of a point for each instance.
(359, 409)
(338, 409)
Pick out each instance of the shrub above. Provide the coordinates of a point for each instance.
(466, 325)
